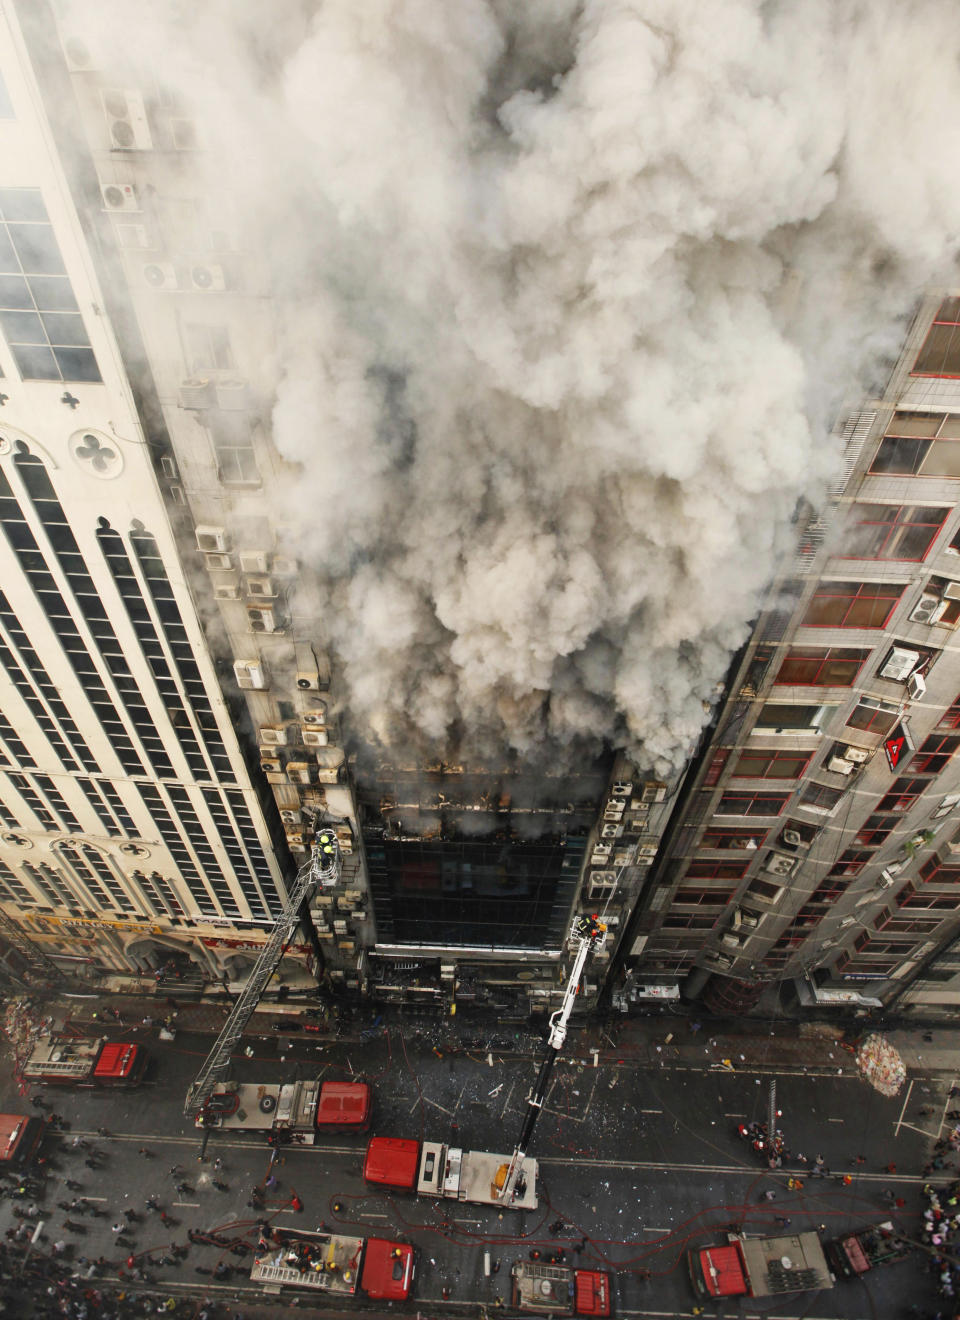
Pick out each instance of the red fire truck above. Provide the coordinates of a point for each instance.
(20, 1139)
(332, 1263)
(759, 1267)
(431, 1168)
(559, 1290)
(297, 1112)
(65, 1062)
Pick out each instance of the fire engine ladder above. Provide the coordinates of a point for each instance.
(40, 966)
(323, 868)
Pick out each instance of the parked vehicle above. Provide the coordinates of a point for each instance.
(856, 1253)
(745, 1266)
(333, 1263)
(297, 1112)
(431, 1168)
(559, 1290)
(61, 1061)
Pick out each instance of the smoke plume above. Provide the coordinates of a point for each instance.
(568, 297)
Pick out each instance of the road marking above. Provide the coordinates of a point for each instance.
(906, 1101)
(428, 1101)
(187, 1205)
(836, 1120)
(658, 1230)
(94, 1198)
(736, 1115)
(651, 1111)
(946, 1101)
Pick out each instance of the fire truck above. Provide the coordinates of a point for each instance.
(559, 1290)
(431, 1168)
(856, 1253)
(294, 1112)
(332, 1263)
(20, 1139)
(64, 1062)
(759, 1266)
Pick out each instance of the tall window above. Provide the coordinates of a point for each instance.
(38, 310)
(852, 604)
(833, 666)
(752, 804)
(892, 531)
(207, 347)
(756, 764)
(232, 435)
(934, 753)
(873, 715)
(920, 445)
(940, 355)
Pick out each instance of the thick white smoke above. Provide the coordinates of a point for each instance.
(569, 296)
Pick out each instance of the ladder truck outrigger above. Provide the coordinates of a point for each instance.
(589, 932)
(321, 871)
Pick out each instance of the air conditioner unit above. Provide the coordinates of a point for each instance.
(603, 877)
(119, 197)
(730, 941)
(161, 275)
(273, 735)
(839, 765)
(614, 808)
(294, 838)
(270, 764)
(622, 789)
(847, 921)
(208, 278)
(793, 838)
(887, 878)
(250, 674)
(300, 772)
(134, 236)
(899, 664)
(646, 852)
(344, 837)
(254, 561)
(183, 134)
(928, 609)
(601, 851)
(226, 591)
(778, 865)
(260, 586)
(860, 755)
(654, 792)
(233, 395)
(315, 719)
(196, 393)
(126, 119)
(262, 619)
(315, 738)
(916, 686)
(721, 959)
(611, 831)
(951, 591)
(211, 538)
(291, 818)
(749, 920)
(308, 680)
(76, 52)
(217, 563)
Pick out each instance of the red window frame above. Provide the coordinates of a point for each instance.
(852, 604)
(903, 794)
(690, 897)
(733, 839)
(903, 517)
(751, 803)
(875, 829)
(880, 721)
(715, 870)
(950, 719)
(850, 862)
(933, 753)
(938, 342)
(933, 871)
(831, 666)
(763, 764)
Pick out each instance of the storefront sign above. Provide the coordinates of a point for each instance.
(898, 745)
(82, 923)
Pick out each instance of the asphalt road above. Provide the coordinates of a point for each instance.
(640, 1159)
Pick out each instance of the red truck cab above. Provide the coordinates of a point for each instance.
(392, 1162)
(344, 1107)
(387, 1273)
(20, 1138)
(119, 1064)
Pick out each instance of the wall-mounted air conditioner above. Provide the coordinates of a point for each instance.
(262, 619)
(622, 789)
(270, 764)
(283, 566)
(273, 735)
(308, 680)
(344, 837)
(291, 818)
(119, 197)
(211, 538)
(233, 395)
(899, 664)
(250, 674)
(161, 275)
(206, 278)
(254, 561)
(778, 865)
(839, 765)
(315, 738)
(77, 53)
(126, 119)
(916, 687)
(135, 236)
(860, 755)
(654, 791)
(260, 586)
(294, 838)
(196, 393)
(611, 831)
(646, 852)
(792, 838)
(226, 591)
(217, 563)
(301, 772)
(951, 591)
(929, 609)
(315, 719)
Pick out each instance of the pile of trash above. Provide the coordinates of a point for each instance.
(881, 1064)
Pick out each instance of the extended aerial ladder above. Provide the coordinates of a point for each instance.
(322, 870)
(589, 932)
